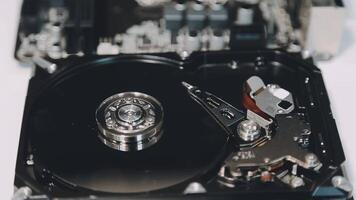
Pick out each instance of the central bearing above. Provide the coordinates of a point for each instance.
(130, 113)
(249, 130)
(130, 121)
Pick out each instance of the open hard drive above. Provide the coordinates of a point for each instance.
(176, 100)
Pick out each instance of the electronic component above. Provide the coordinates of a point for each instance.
(218, 17)
(195, 17)
(248, 37)
(217, 40)
(253, 25)
(245, 16)
(173, 16)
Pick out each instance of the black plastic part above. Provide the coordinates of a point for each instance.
(248, 37)
(79, 28)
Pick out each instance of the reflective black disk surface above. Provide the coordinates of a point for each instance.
(64, 131)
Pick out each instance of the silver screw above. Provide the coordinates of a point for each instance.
(29, 160)
(249, 130)
(233, 65)
(273, 86)
(306, 81)
(311, 160)
(266, 160)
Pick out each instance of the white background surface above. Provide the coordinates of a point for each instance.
(339, 75)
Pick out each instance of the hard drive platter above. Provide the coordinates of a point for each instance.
(68, 144)
(217, 124)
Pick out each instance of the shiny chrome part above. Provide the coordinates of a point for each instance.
(130, 113)
(270, 156)
(194, 188)
(187, 85)
(249, 130)
(29, 160)
(262, 122)
(45, 64)
(130, 121)
(271, 99)
(311, 160)
(288, 127)
(228, 117)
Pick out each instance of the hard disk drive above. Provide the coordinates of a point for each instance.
(176, 100)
